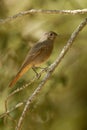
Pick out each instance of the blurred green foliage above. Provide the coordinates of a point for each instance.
(62, 104)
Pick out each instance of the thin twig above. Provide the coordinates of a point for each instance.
(12, 109)
(18, 90)
(38, 11)
(22, 88)
(50, 71)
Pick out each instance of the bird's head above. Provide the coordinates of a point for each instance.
(51, 35)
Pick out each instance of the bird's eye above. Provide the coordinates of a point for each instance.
(51, 34)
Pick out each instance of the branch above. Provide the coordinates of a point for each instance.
(12, 109)
(50, 71)
(40, 11)
(20, 89)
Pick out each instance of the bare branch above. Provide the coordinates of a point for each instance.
(18, 90)
(50, 71)
(40, 11)
(12, 109)
(23, 87)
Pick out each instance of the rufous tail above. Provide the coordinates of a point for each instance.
(20, 74)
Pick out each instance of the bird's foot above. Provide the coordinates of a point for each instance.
(37, 74)
(45, 69)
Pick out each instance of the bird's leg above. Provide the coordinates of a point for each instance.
(43, 68)
(34, 69)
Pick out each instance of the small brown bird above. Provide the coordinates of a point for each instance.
(38, 54)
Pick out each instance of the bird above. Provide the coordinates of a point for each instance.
(38, 54)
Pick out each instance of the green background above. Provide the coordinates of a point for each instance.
(62, 103)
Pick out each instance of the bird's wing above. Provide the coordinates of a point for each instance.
(37, 48)
(33, 53)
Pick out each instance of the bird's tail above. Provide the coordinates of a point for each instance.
(20, 74)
